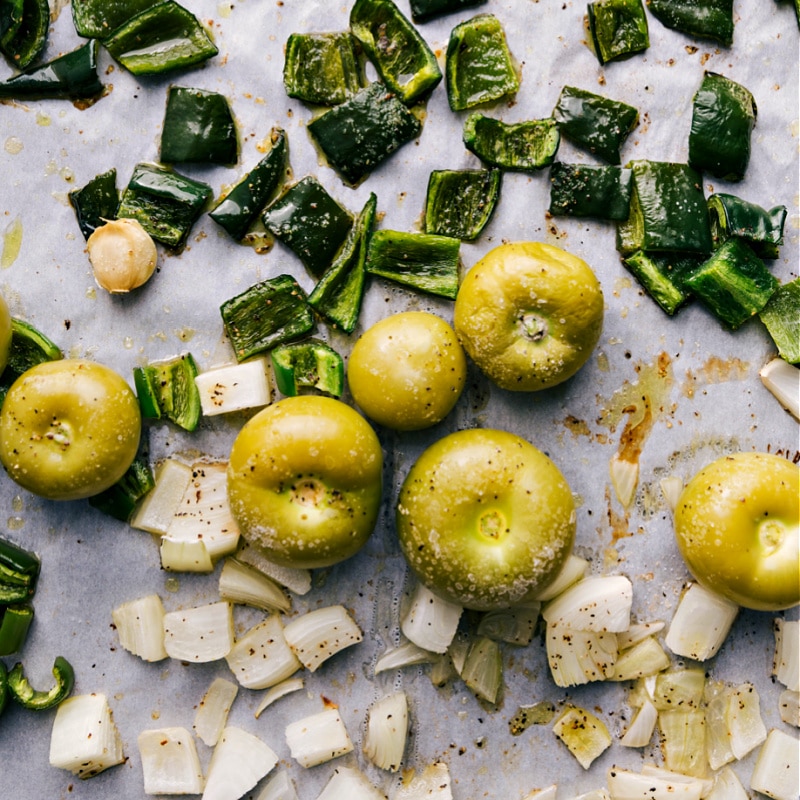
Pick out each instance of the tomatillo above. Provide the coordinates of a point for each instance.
(69, 429)
(529, 315)
(304, 481)
(737, 524)
(485, 519)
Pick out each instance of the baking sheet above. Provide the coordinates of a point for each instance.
(702, 380)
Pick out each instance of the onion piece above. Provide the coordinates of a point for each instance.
(317, 635)
(348, 783)
(279, 787)
(431, 621)
(786, 662)
(596, 794)
(640, 731)
(625, 784)
(200, 634)
(242, 584)
(646, 657)
(585, 735)
(234, 387)
(727, 786)
(747, 729)
(599, 603)
(140, 627)
(483, 669)
(671, 488)
(212, 712)
(277, 691)
(683, 740)
(204, 513)
(777, 769)
(638, 632)
(169, 762)
(239, 761)
(156, 511)
(700, 624)
(573, 570)
(405, 655)
(679, 688)
(433, 783)
(262, 657)
(295, 580)
(783, 380)
(624, 479)
(789, 704)
(548, 793)
(84, 738)
(512, 625)
(318, 738)
(183, 556)
(387, 731)
(578, 657)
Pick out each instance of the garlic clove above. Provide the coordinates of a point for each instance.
(122, 254)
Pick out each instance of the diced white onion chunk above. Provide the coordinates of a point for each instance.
(239, 761)
(212, 711)
(387, 731)
(233, 387)
(777, 770)
(318, 738)
(700, 624)
(431, 621)
(200, 634)
(140, 627)
(598, 603)
(169, 762)
(317, 635)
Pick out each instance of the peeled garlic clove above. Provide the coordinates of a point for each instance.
(123, 255)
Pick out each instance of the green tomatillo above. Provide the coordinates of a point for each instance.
(485, 519)
(737, 524)
(304, 481)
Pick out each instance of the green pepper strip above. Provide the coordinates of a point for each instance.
(120, 500)
(313, 364)
(731, 216)
(18, 572)
(618, 28)
(781, 317)
(21, 690)
(15, 621)
(706, 19)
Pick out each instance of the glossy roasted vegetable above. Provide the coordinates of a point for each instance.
(365, 130)
(731, 216)
(21, 690)
(401, 56)
(321, 68)
(663, 276)
(460, 203)
(667, 210)
(198, 126)
(96, 19)
(310, 364)
(19, 571)
(723, 117)
(15, 621)
(167, 389)
(479, 67)
(781, 317)
(120, 500)
(706, 19)
(71, 76)
(618, 29)
(310, 222)
(594, 123)
(96, 202)
(578, 190)
(523, 146)
(29, 347)
(24, 38)
(423, 10)
(159, 39)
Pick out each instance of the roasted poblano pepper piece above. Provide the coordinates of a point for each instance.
(781, 316)
(309, 364)
(167, 389)
(364, 131)
(321, 68)
(198, 127)
(239, 209)
(161, 38)
(39, 700)
(96, 202)
(731, 216)
(723, 117)
(667, 210)
(71, 76)
(733, 283)
(29, 347)
(594, 123)
(401, 56)
(460, 203)
(706, 19)
(166, 203)
(578, 190)
(120, 500)
(25, 39)
(338, 294)
(663, 276)
(423, 10)
(19, 570)
(15, 621)
(96, 19)
(422, 261)
(10, 17)
(523, 146)
(266, 315)
(3, 687)
(618, 29)
(478, 65)
(310, 222)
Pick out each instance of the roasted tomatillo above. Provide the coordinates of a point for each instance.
(304, 481)
(69, 429)
(529, 315)
(737, 524)
(485, 519)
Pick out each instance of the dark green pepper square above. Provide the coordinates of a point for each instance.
(423, 10)
(618, 29)
(706, 19)
(309, 222)
(96, 19)
(460, 203)
(198, 127)
(524, 146)
(96, 202)
(578, 190)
